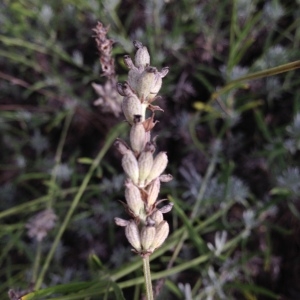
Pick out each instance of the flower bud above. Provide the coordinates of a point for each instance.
(133, 73)
(159, 164)
(134, 199)
(167, 208)
(133, 235)
(120, 89)
(131, 106)
(153, 190)
(128, 62)
(157, 217)
(145, 82)
(164, 71)
(157, 83)
(165, 177)
(137, 135)
(127, 90)
(121, 222)
(147, 236)
(145, 163)
(121, 146)
(142, 57)
(162, 231)
(133, 77)
(130, 166)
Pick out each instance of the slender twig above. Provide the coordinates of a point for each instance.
(202, 190)
(111, 137)
(147, 278)
(37, 260)
(52, 187)
(257, 75)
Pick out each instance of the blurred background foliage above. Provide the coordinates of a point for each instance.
(234, 153)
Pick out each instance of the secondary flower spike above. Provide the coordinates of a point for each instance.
(146, 230)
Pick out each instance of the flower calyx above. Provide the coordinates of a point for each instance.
(146, 230)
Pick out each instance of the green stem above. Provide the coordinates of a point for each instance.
(35, 204)
(204, 184)
(144, 108)
(147, 277)
(232, 37)
(195, 211)
(52, 187)
(112, 135)
(257, 75)
(37, 261)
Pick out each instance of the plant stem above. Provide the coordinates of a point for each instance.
(147, 277)
(110, 138)
(260, 74)
(195, 210)
(204, 184)
(37, 261)
(52, 187)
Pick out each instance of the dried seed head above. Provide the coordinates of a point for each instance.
(145, 82)
(157, 217)
(133, 76)
(128, 62)
(121, 146)
(134, 199)
(157, 83)
(167, 208)
(130, 166)
(142, 56)
(165, 177)
(137, 135)
(145, 164)
(133, 235)
(121, 222)
(147, 236)
(153, 191)
(147, 231)
(127, 90)
(162, 231)
(150, 146)
(137, 44)
(164, 71)
(131, 106)
(104, 45)
(159, 164)
(120, 89)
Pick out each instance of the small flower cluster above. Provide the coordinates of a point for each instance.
(109, 99)
(147, 230)
(40, 224)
